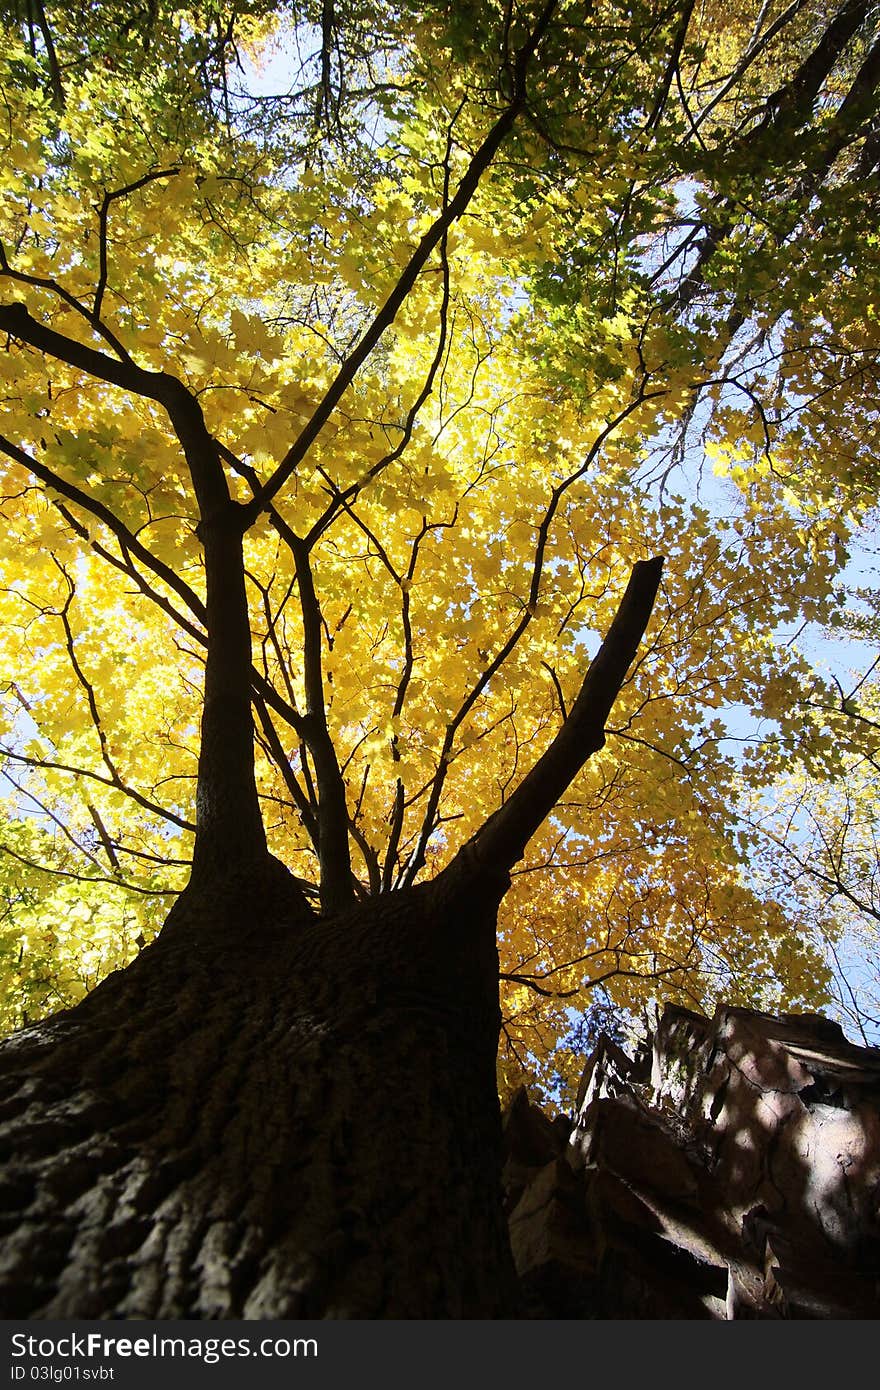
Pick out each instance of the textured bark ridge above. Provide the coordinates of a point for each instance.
(299, 1120)
(733, 1172)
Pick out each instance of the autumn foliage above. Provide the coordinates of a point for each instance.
(475, 307)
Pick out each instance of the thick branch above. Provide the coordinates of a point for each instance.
(51, 56)
(184, 411)
(788, 109)
(503, 839)
(429, 821)
(759, 43)
(16, 321)
(792, 105)
(229, 827)
(333, 852)
(671, 67)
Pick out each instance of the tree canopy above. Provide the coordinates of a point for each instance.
(467, 309)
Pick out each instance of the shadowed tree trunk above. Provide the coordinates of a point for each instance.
(270, 1113)
(297, 1120)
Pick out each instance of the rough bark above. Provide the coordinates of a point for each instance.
(293, 1119)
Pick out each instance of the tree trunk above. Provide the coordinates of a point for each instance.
(299, 1119)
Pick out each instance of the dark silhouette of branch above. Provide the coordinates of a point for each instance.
(127, 539)
(51, 56)
(333, 852)
(671, 68)
(501, 841)
(340, 497)
(118, 783)
(276, 749)
(88, 878)
(103, 216)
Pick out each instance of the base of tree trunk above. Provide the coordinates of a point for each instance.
(266, 1117)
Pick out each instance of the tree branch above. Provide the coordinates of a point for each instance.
(496, 847)
(127, 539)
(429, 242)
(51, 57)
(282, 762)
(18, 323)
(333, 853)
(528, 612)
(144, 801)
